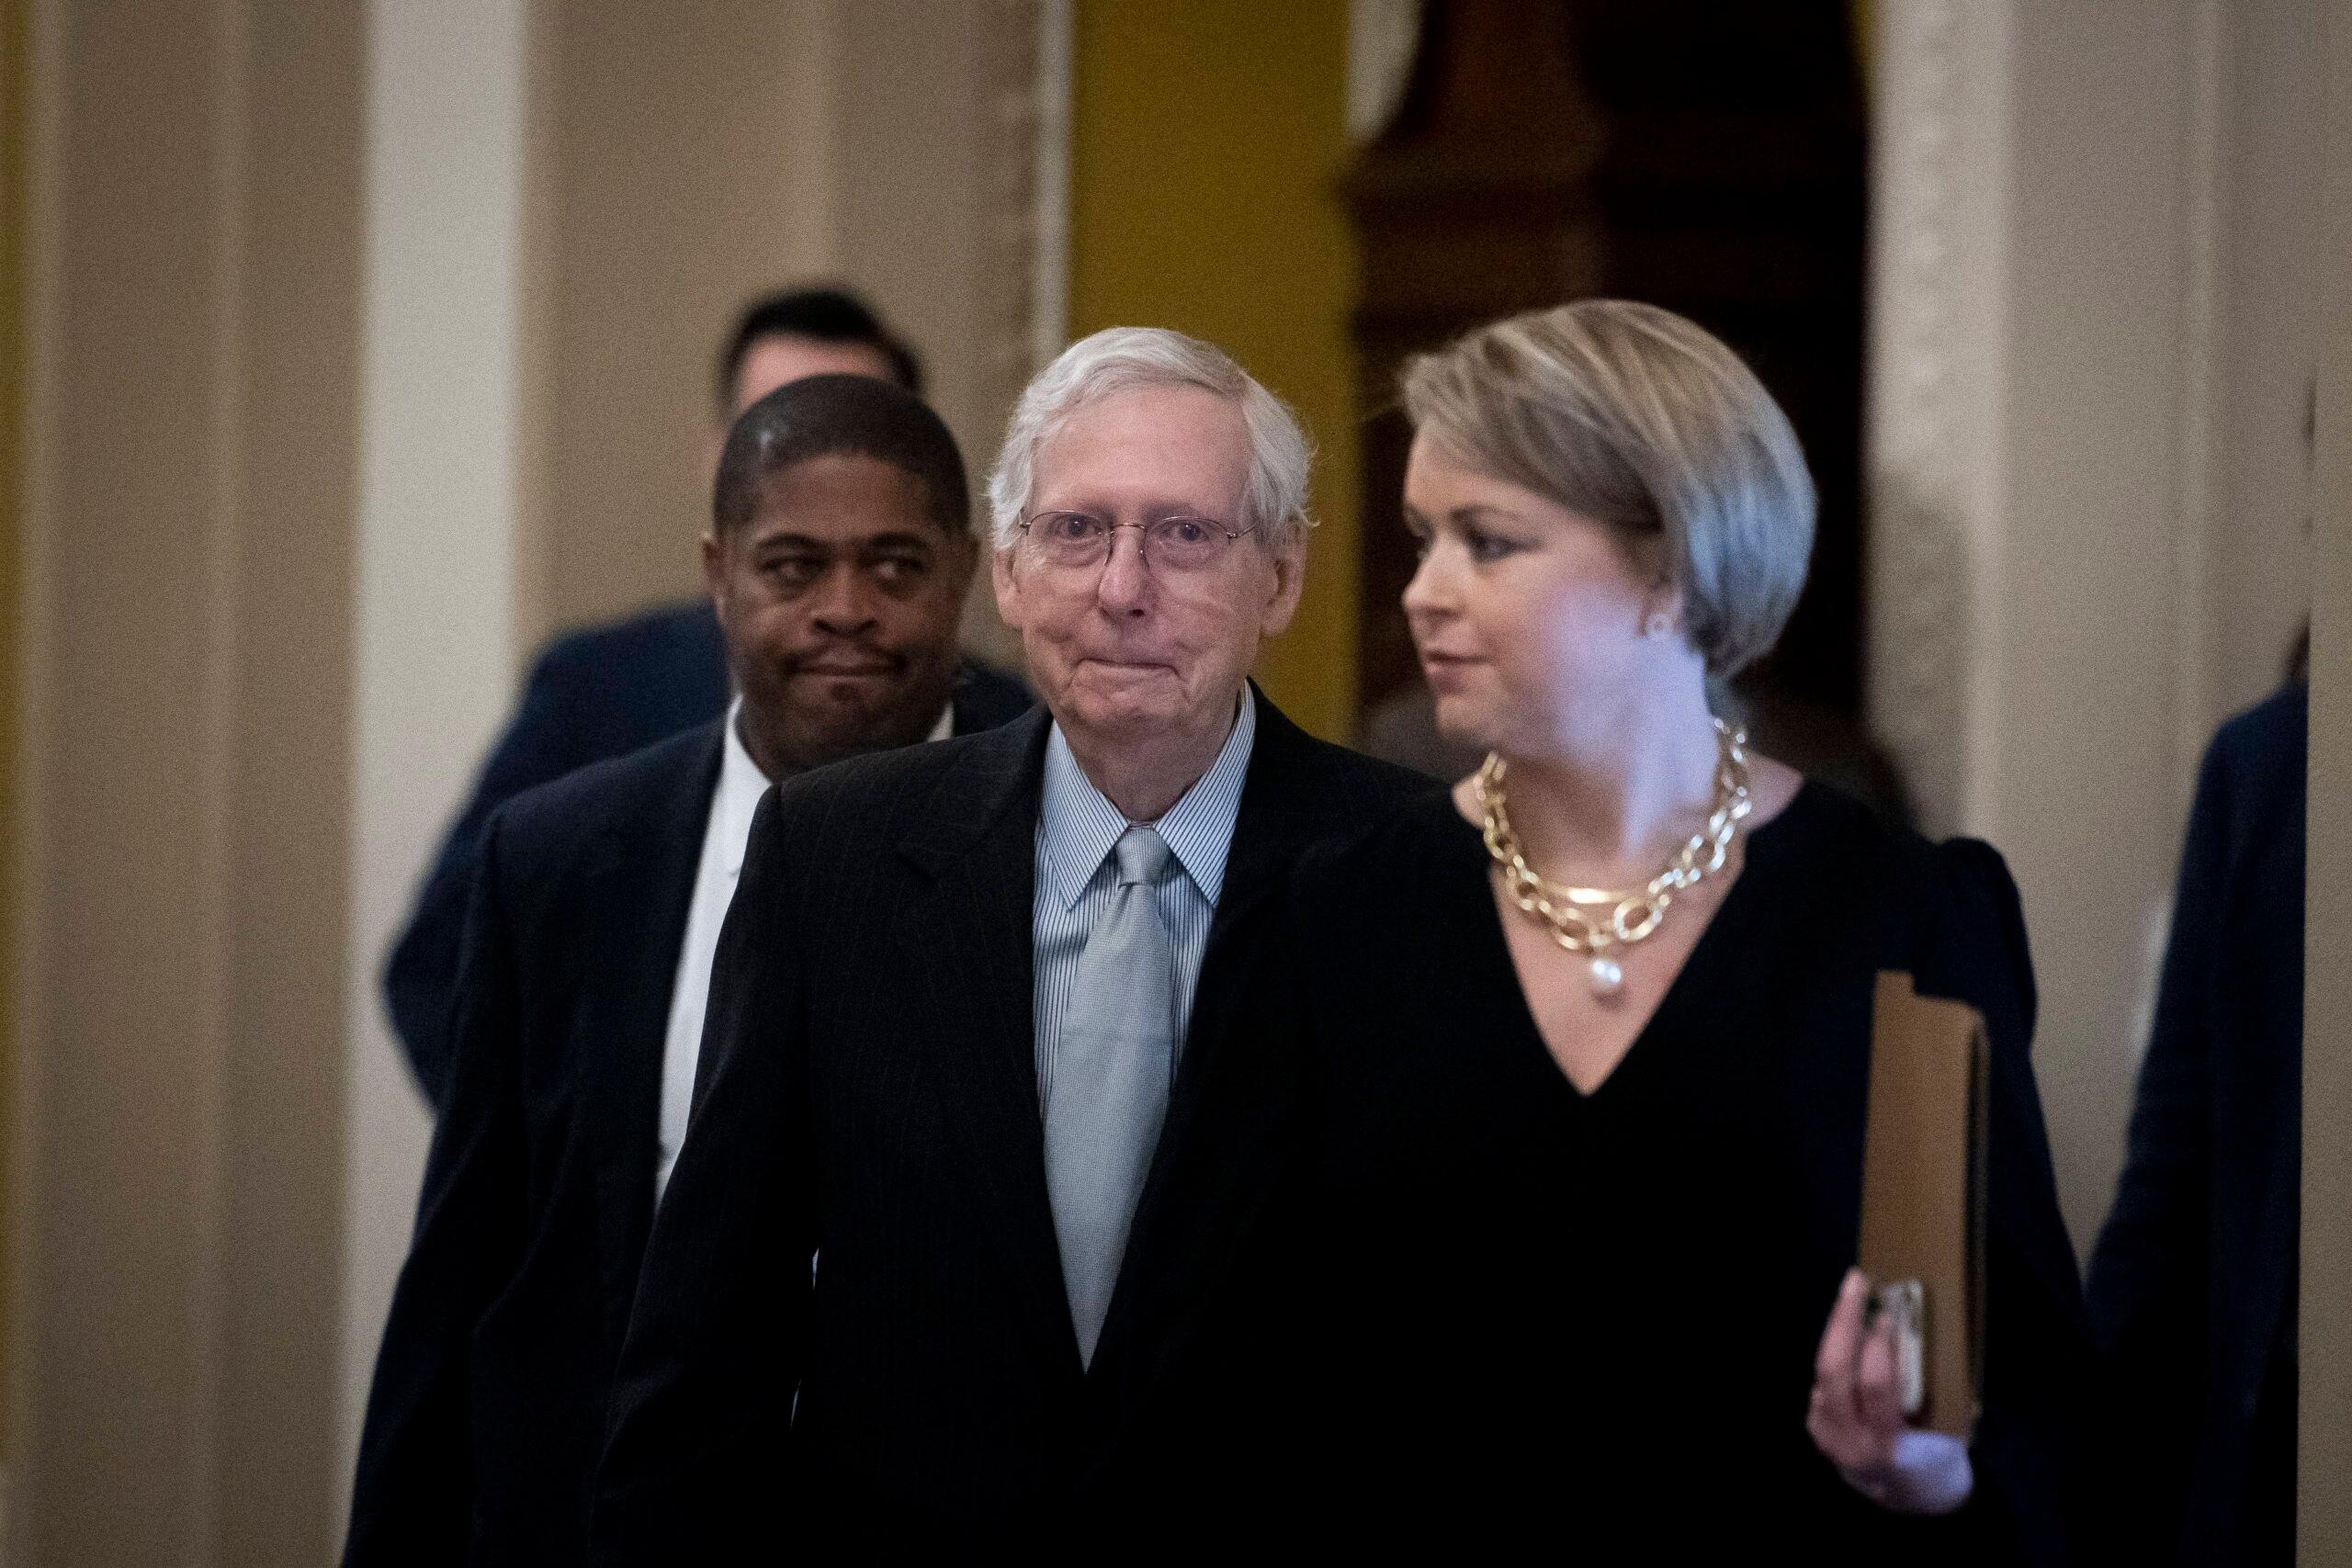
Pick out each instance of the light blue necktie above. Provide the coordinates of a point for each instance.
(1108, 1091)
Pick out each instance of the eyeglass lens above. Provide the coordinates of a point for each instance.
(1079, 538)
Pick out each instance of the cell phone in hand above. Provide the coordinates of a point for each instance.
(1906, 1302)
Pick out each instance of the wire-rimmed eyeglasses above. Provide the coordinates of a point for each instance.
(1178, 543)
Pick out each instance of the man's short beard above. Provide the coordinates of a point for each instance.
(908, 719)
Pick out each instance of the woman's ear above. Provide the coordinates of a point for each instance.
(1662, 607)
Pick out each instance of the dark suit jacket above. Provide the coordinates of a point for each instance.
(2193, 1284)
(487, 1414)
(603, 692)
(869, 1090)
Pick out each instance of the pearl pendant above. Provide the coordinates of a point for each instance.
(1608, 979)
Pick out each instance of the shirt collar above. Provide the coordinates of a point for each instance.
(740, 782)
(1079, 824)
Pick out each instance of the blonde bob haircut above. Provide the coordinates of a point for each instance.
(1646, 423)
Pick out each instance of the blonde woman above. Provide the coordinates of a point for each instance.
(1580, 1079)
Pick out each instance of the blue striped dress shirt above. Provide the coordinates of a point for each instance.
(1076, 826)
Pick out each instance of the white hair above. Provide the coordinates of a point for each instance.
(1127, 359)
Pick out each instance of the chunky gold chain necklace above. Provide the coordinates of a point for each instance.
(1596, 921)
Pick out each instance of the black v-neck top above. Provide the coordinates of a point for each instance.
(1494, 1304)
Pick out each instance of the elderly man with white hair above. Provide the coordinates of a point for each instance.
(946, 1047)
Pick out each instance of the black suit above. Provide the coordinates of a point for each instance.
(486, 1413)
(602, 691)
(869, 1089)
(2193, 1284)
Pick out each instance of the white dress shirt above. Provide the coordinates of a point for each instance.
(733, 803)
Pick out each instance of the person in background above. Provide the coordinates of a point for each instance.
(2193, 1281)
(840, 550)
(608, 690)
(1577, 1054)
(949, 1021)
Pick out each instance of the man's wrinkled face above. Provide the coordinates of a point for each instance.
(1127, 647)
(839, 600)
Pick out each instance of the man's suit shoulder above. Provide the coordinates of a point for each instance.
(552, 822)
(1325, 789)
(688, 628)
(1367, 781)
(905, 788)
(610, 689)
(891, 783)
(2268, 744)
(2251, 788)
(885, 785)
(987, 698)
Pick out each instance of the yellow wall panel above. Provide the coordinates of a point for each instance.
(1207, 141)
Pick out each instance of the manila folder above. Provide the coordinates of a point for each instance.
(1923, 1184)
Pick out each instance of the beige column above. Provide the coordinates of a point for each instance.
(941, 216)
(2324, 1523)
(444, 382)
(2093, 301)
(193, 265)
(689, 155)
(681, 165)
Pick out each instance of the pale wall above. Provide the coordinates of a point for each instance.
(2323, 1409)
(173, 1186)
(2093, 307)
(440, 382)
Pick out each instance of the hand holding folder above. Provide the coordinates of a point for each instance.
(1923, 1190)
(1894, 1402)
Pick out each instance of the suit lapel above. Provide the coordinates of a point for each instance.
(639, 890)
(1275, 820)
(970, 934)
(1279, 815)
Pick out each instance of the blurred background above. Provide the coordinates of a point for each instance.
(351, 348)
